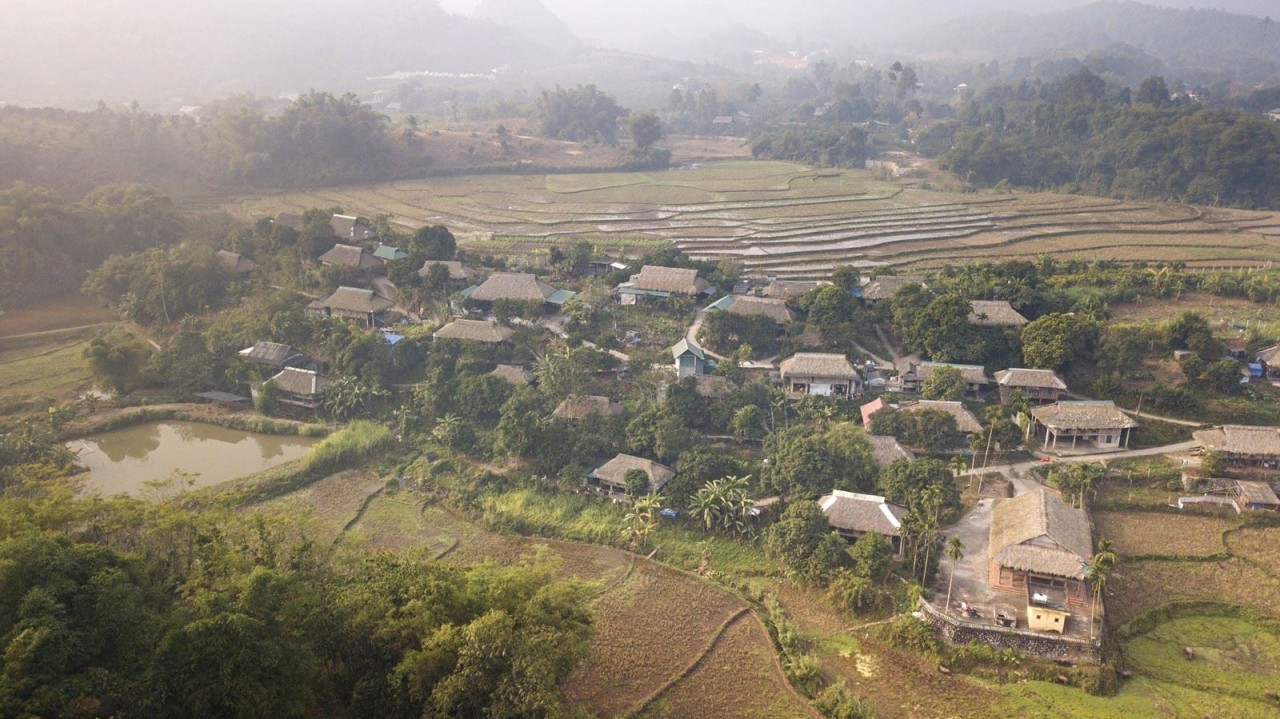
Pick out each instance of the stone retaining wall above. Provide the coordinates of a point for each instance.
(1033, 644)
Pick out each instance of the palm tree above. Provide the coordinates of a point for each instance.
(706, 504)
(639, 521)
(1096, 576)
(955, 552)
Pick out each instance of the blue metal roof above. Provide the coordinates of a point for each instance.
(560, 297)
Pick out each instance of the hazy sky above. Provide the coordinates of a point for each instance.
(625, 23)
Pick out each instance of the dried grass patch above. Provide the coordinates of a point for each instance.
(1160, 533)
(1138, 587)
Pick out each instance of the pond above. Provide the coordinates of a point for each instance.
(123, 461)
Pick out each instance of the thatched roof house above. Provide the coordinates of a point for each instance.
(275, 355)
(611, 476)
(966, 422)
(790, 289)
(886, 450)
(883, 287)
(350, 227)
(665, 281)
(354, 303)
(513, 374)
(1242, 444)
(457, 270)
(773, 308)
(855, 515)
(350, 256)
(819, 373)
(994, 313)
(518, 287)
(236, 263)
(1097, 424)
(1041, 385)
(301, 387)
(473, 331)
(578, 407)
(1036, 533)
(913, 379)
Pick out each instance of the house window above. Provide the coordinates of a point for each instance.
(800, 388)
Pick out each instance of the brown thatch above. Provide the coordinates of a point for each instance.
(290, 219)
(583, 406)
(1094, 414)
(1034, 378)
(350, 227)
(613, 473)
(457, 271)
(1036, 532)
(972, 374)
(859, 514)
(676, 280)
(301, 382)
(1241, 440)
(235, 262)
(271, 354)
(513, 373)
(886, 450)
(473, 331)
(350, 256)
(965, 421)
(357, 301)
(994, 313)
(790, 289)
(883, 287)
(1270, 355)
(518, 286)
(775, 309)
(817, 364)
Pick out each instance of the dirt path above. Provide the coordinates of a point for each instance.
(1085, 458)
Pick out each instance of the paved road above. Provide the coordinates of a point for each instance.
(1105, 457)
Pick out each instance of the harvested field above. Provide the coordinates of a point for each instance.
(649, 628)
(70, 310)
(1143, 585)
(1257, 546)
(1143, 534)
(789, 220)
(736, 679)
(329, 505)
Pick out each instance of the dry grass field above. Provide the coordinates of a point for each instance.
(327, 506)
(1147, 534)
(790, 220)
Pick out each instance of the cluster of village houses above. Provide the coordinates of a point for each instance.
(1036, 546)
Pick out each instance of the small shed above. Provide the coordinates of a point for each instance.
(1256, 495)
(690, 359)
(580, 407)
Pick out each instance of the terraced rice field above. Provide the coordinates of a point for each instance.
(789, 220)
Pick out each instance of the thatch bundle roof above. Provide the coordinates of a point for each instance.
(972, 374)
(861, 513)
(773, 308)
(473, 331)
(883, 287)
(350, 256)
(1036, 532)
(583, 406)
(271, 354)
(301, 382)
(1037, 378)
(1241, 440)
(615, 470)
(966, 422)
(886, 450)
(354, 299)
(519, 286)
(1092, 414)
(789, 289)
(457, 271)
(994, 313)
(513, 374)
(676, 280)
(235, 262)
(818, 364)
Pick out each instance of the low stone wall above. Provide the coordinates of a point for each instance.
(1033, 644)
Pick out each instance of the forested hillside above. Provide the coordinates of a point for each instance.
(1076, 136)
(318, 140)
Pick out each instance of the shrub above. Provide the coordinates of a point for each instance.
(907, 632)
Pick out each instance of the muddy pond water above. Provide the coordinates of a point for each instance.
(122, 461)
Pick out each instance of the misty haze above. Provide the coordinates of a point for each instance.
(646, 359)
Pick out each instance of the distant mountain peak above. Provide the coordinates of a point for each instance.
(529, 18)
